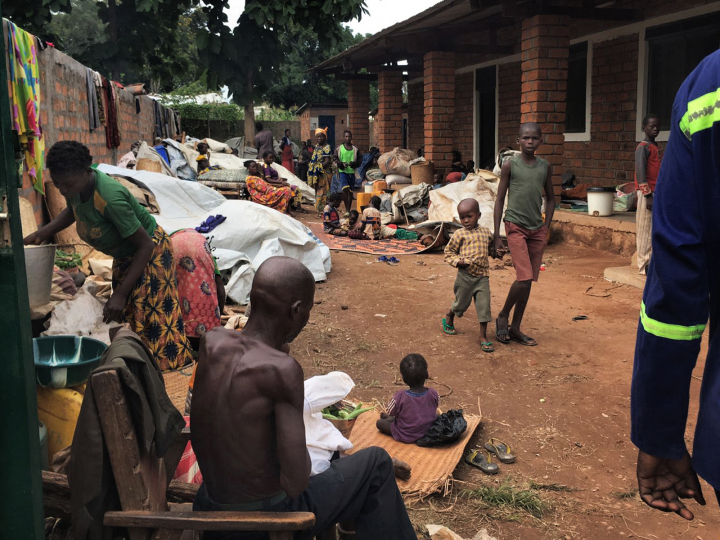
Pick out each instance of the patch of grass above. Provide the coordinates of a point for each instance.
(364, 346)
(509, 497)
(551, 487)
(625, 495)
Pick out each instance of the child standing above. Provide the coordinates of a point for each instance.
(331, 218)
(647, 168)
(348, 158)
(523, 178)
(411, 412)
(467, 251)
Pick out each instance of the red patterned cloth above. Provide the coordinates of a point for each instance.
(196, 282)
(188, 470)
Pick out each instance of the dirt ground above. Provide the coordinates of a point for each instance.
(564, 406)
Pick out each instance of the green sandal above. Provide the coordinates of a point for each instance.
(448, 329)
(487, 346)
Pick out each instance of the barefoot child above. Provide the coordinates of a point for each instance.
(411, 412)
(523, 178)
(467, 251)
(331, 218)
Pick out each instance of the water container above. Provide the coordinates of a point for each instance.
(600, 201)
(39, 264)
(43, 448)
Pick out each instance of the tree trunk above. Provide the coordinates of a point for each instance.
(250, 115)
(113, 31)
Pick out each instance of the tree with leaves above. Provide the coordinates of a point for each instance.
(244, 59)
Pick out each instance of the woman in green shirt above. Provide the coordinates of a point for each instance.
(109, 219)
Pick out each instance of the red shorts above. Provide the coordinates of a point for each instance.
(526, 248)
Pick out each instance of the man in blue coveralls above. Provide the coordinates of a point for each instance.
(681, 293)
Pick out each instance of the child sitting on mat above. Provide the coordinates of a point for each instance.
(411, 412)
(351, 222)
(375, 230)
(331, 217)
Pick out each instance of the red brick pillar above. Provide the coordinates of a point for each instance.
(358, 109)
(389, 116)
(545, 53)
(439, 74)
(416, 111)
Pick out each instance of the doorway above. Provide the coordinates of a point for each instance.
(485, 90)
(329, 122)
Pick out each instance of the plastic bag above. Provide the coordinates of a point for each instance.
(625, 198)
(447, 428)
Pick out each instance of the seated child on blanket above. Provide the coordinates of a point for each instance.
(351, 223)
(331, 217)
(411, 412)
(375, 230)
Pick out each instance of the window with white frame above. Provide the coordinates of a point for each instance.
(576, 115)
(674, 50)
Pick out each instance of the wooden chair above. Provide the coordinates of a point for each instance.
(142, 481)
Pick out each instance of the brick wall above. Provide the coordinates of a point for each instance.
(464, 112)
(439, 79)
(64, 115)
(308, 132)
(389, 117)
(509, 96)
(416, 119)
(608, 159)
(359, 107)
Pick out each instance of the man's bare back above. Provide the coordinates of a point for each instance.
(239, 386)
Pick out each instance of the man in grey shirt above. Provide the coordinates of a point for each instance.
(263, 140)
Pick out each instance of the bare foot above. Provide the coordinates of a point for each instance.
(402, 469)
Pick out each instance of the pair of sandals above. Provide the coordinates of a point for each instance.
(483, 460)
(503, 336)
(392, 261)
(449, 329)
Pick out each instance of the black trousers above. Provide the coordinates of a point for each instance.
(360, 487)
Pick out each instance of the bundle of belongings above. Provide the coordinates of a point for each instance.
(395, 165)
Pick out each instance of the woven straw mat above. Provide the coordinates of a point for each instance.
(432, 468)
(176, 385)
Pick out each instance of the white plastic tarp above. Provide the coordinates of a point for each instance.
(251, 233)
(444, 201)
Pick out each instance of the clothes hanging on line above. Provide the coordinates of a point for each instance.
(25, 89)
(92, 97)
(112, 131)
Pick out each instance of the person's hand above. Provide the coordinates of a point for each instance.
(463, 264)
(662, 482)
(383, 415)
(34, 239)
(649, 201)
(500, 249)
(114, 308)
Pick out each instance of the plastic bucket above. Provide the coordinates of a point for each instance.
(39, 264)
(600, 201)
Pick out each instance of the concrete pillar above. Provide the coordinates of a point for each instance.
(545, 53)
(439, 75)
(389, 116)
(358, 109)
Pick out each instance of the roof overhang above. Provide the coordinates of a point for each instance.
(468, 27)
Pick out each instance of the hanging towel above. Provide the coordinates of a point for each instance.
(112, 132)
(93, 114)
(100, 101)
(158, 119)
(25, 88)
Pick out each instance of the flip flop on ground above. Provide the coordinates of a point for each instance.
(482, 461)
(487, 346)
(501, 450)
(448, 328)
(522, 339)
(502, 334)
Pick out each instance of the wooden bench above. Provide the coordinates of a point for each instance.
(142, 482)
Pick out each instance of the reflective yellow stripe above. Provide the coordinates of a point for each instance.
(670, 331)
(702, 113)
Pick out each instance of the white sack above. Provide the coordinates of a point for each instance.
(251, 233)
(217, 146)
(80, 316)
(444, 201)
(322, 438)
(393, 179)
(397, 162)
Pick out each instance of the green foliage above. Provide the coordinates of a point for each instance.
(300, 51)
(228, 112)
(34, 16)
(508, 497)
(79, 32)
(275, 115)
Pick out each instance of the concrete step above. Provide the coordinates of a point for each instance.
(627, 275)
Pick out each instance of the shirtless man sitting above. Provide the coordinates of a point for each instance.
(248, 431)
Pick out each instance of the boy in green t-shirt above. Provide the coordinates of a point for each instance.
(348, 158)
(524, 178)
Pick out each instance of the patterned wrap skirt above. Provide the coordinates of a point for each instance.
(153, 310)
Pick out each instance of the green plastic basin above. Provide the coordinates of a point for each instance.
(62, 361)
